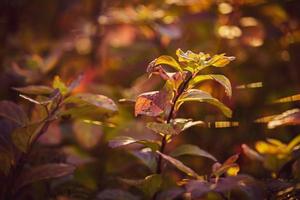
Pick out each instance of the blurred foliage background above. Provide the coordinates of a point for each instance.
(112, 42)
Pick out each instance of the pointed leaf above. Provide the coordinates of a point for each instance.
(35, 89)
(179, 165)
(289, 117)
(189, 149)
(220, 60)
(125, 140)
(90, 106)
(201, 96)
(167, 60)
(43, 172)
(223, 80)
(162, 128)
(59, 84)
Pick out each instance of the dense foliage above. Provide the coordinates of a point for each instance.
(128, 100)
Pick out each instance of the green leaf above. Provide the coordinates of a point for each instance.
(220, 60)
(90, 106)
(188, 149)
(223, 80)
(44, 172)
(201, 96)
(167, 60)
(13, 112)
(125, 140)
(35, 90)
(162, 128)
(179, 165)
(59, 84)
(149, 185)
(22, 136)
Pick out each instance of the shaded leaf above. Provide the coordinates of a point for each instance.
(6, 162)
(35, 90)
(13, 112)
(189, 149)
(201, 96)
(116, 194)
(162, 128)
(179, 165)
(125, 140)
(43, 172)
(152, 103)
(149, 185)
(22, 136)
(90, 106)
(250, 153)
(147, 157)
(219, 169)
(223, 80)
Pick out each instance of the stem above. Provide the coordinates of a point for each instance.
(18, 168)
(181, 89)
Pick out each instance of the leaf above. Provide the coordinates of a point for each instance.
(250, 153)
(166, 60)
(44, 172)
(35, 90)
(90, 106)
(220, 60)
(125, 140)
(147, 157)
(162, 128)
(179, 165)
(152, 103)
(219, 169)
(288, 99)
(189, 149)
(149, 185)
(183, 124)
(223, 80)
(116, 194)
(6, 162)
(59, 84)
(22, 136)
(289, 117)
(13, 112)
(201, 96)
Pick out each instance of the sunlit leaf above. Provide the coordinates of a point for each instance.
(166, 60)
(220, 60)
(23, 136)
(183, 124)
(189, 149)
(35, 89)
(149, 185)
(90, 106)
(162, 128)
(201, 96)
(219, 169)
(43, 172)
(59, 84)
(289, 117)
(179, 165)
(13, 112)
(223, 80)
(250, 85)
(125, 140)
(288, 99)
